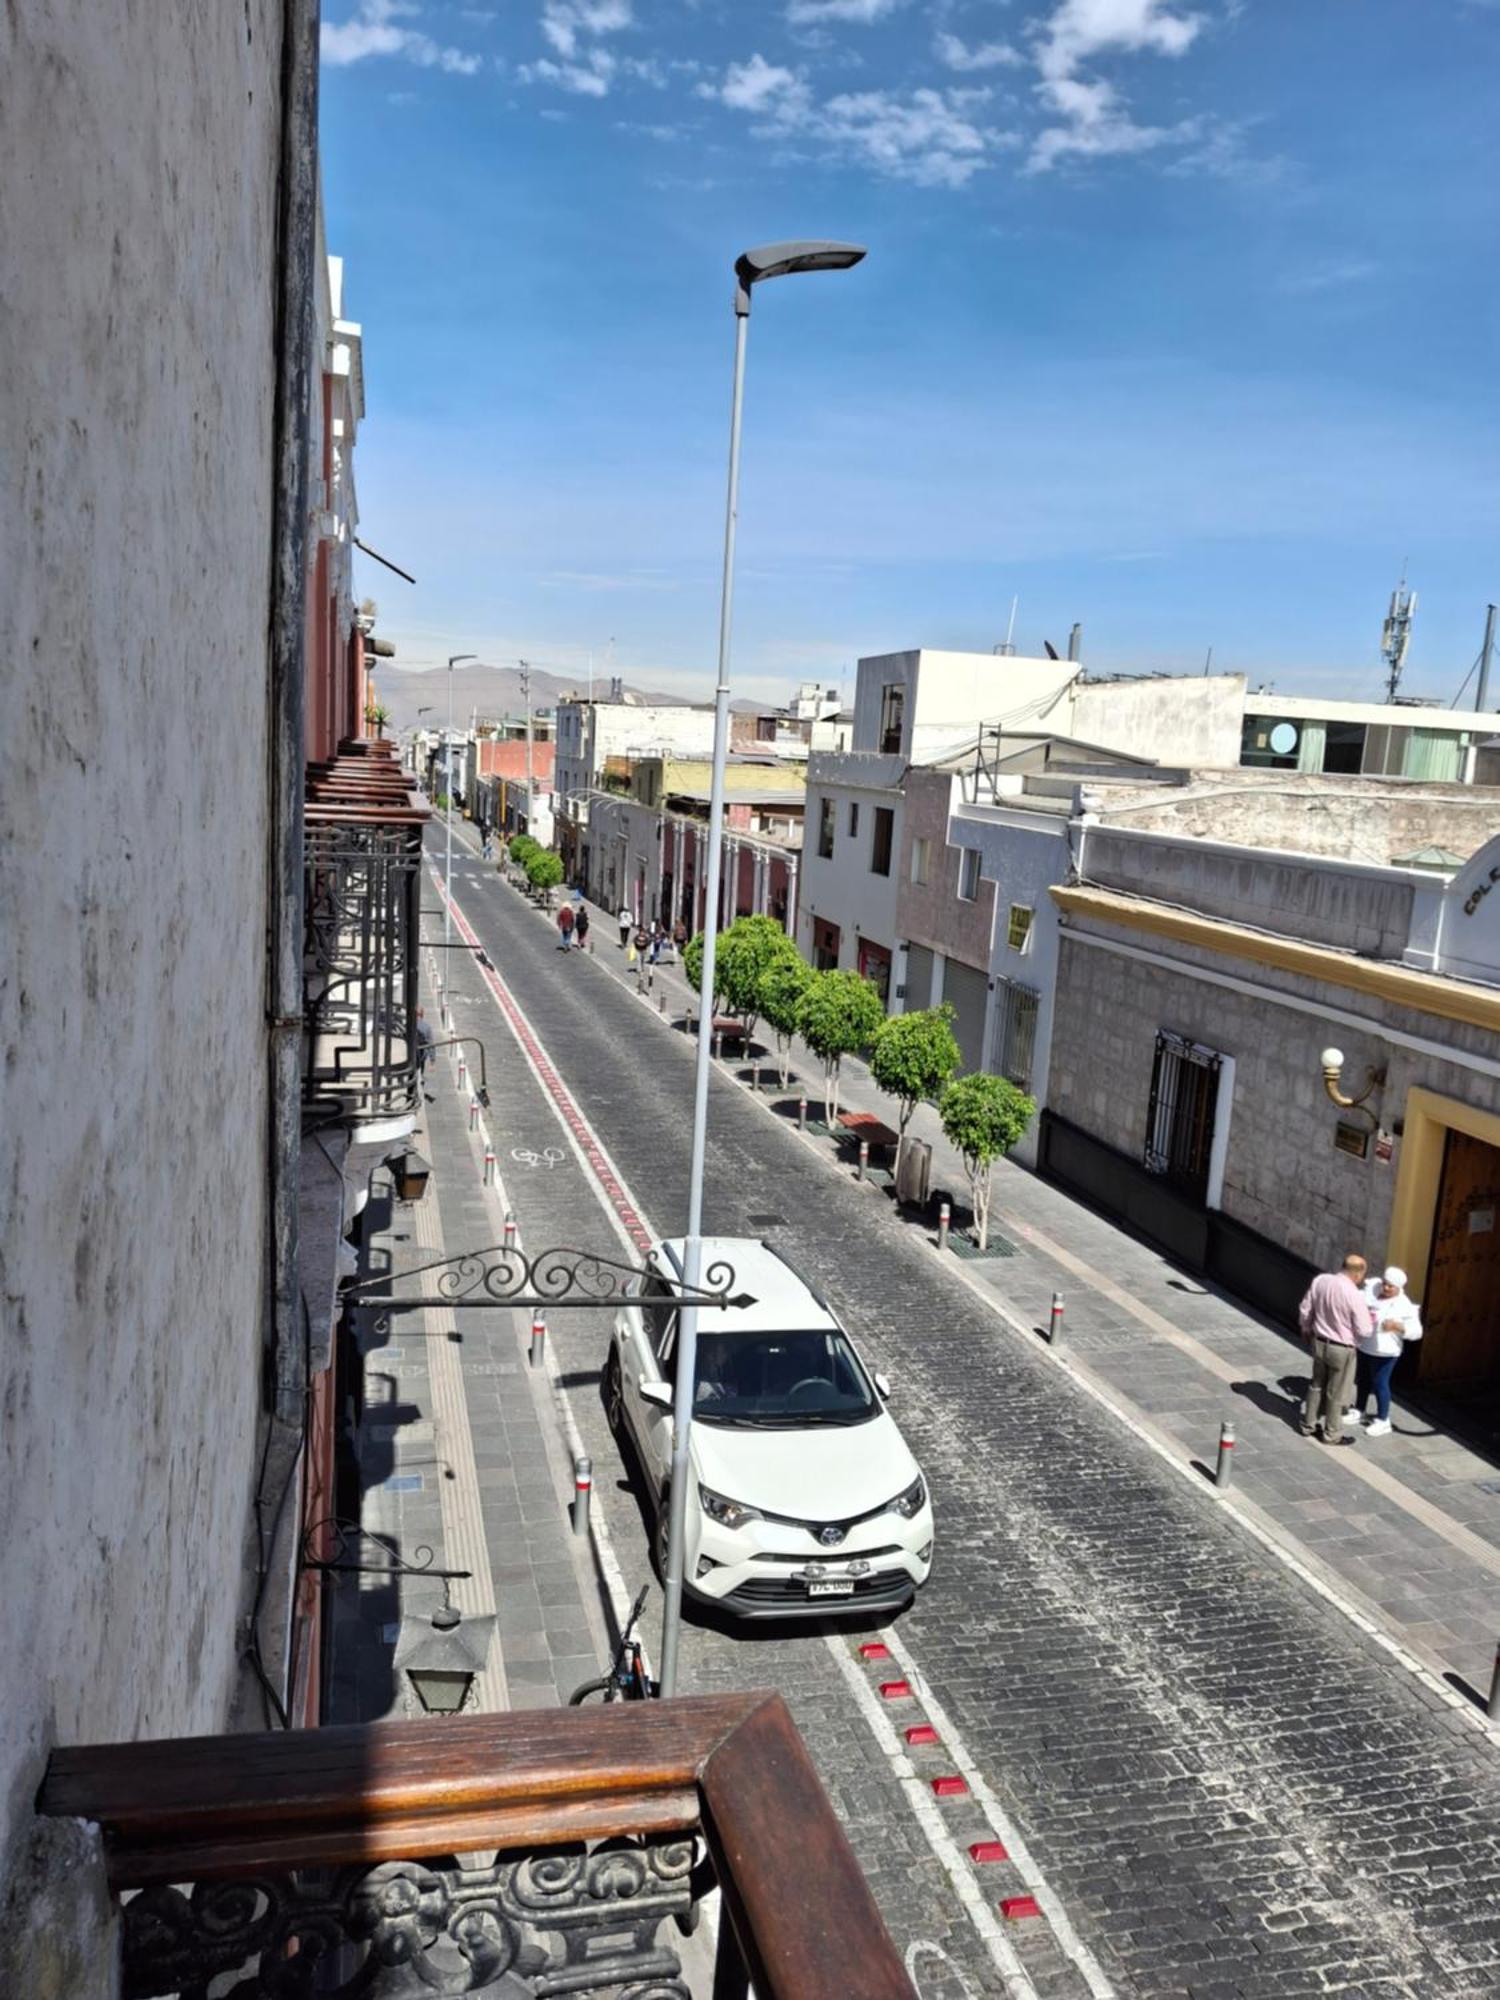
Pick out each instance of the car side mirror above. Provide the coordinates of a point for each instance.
(659, 1393)
(883, 1384)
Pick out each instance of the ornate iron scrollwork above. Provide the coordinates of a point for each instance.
(504, 1276)
(564, 1921)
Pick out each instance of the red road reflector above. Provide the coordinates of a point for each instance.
(921, 1733)
(896, 1690)
(950, 1788)
(988, 1850)
(1016, 1909)
(874, 1649)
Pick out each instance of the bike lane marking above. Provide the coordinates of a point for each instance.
(635, 1232)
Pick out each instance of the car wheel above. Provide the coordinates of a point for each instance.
(614, 1396)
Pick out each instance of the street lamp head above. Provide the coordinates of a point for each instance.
(457, 659)
(1332, 1061)
(780, 260)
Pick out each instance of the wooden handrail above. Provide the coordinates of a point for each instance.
(734, 1766)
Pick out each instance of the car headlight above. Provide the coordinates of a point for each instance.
(910, 1503)
(728, 1513)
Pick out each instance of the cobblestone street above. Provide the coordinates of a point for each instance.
(1228, 1787)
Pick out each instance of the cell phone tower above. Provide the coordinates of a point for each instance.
(1395, 634)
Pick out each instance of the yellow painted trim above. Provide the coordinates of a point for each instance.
(1401, 985)
(1429, 1120)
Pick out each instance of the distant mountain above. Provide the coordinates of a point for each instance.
(489, 691)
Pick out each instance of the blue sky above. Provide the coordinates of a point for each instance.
(1178, 320)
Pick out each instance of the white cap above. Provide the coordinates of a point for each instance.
(1394, 1275)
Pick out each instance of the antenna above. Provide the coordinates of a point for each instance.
(1008, 643)
(1395, 634)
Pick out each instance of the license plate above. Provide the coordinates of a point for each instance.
(842, 1587)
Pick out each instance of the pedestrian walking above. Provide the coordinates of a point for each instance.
(565, 925)
(1394, 1320)
(679, 937)
(424, 1042)
(627, 919)
(1334, 1316)
(658, 939)
(581, 926)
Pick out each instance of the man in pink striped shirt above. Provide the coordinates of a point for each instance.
(1335, 1315)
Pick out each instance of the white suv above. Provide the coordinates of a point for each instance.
(805, 1498)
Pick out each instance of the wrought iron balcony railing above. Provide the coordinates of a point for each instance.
(542, 1853)
(363, 849)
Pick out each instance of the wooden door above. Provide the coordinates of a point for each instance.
(1461, 1312)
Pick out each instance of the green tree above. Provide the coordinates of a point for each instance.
(840, 1012)
(746, 951)
(983, 1117)
(783, 987)
(914, 1056)
(544, 870)
(692, 965)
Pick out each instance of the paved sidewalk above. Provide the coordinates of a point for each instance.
(460, 1451)
(1406, 1529)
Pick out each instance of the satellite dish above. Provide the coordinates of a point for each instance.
(1284, 739)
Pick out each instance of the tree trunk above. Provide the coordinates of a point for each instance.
(831, 1090)
(784, 1056)
(980, 1182)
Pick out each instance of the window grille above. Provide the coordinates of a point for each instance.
(1180, 1116)
(1015, 1033)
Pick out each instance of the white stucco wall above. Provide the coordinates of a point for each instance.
(1023, 854)
(948, 695)
(1190, 721)
(138, 158)
(844, 891)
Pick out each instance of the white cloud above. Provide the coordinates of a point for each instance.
(563, 21)
(1096, 123)
(374, 29)
(805, 13)
(928, 137)
(585, 69)
(958, 55)
(759, 86)
(1080, 29)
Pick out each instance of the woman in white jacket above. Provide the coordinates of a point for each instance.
(1394, 1320)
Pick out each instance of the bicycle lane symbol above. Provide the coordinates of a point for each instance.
(548, 1157)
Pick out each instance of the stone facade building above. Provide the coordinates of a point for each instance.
(1199, 984)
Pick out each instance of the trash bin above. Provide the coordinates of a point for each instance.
(914, 1173)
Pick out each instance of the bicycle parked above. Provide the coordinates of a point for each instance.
(627, 1679)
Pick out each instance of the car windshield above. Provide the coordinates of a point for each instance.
(780, 1381)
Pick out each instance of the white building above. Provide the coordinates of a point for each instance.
(590, 732)
(910, 708)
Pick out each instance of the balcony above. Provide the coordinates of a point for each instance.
(362, 890)
(541, 1853)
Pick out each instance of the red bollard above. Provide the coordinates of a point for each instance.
(473, 1113)
(864, 1160)
(1055, 1320)
(510, 1233)
(538, 1339)
(463, 1074)
(1225, 1466)
(489, 1166)
(945, 1216)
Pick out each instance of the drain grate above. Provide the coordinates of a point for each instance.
(766, 1221)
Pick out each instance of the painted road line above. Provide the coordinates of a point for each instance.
(1003, 1827)
(627, 1216)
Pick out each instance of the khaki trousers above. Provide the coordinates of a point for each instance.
(1332, 1380)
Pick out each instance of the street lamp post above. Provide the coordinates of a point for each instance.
(453, 661)
(773, 260)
